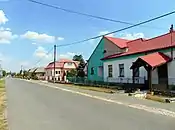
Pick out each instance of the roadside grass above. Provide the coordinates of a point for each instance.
(98, 89)
(3, 121)
(155, 98)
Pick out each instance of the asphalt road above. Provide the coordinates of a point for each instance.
(35, 107)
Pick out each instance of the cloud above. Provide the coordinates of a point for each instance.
(60, 38)
(41, 52)
(34, 36)
(6, 35)
(132, 36)
(34, 43)
(95, 41)
(105, 32)
(3, 18)
(68, 55)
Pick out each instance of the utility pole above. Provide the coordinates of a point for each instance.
(54, 60)
(171, 31)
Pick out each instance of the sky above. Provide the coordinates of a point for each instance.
(28, 31)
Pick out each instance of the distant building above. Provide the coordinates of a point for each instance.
(38, 71)
(62, 66)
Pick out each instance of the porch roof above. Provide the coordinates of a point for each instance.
(153, 60)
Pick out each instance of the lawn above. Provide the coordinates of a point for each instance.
(3, 121)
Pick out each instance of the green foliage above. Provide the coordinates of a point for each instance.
(33, 76)
(80, 69)
(4, 73)
(72, 73)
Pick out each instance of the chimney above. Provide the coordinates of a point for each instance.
(171, 28)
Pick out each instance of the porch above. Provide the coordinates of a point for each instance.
(151, 62)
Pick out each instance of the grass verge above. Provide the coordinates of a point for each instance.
(155, 98)
(98, 89)
(3, 121)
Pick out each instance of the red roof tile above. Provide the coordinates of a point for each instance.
(155, 59)
(118, 41)
(142, 45)
(60, 63)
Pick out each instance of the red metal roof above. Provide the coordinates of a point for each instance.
(121, 43)
(155, 59)
(142, 45)
(60, 63)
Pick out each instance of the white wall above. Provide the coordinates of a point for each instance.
(127, 71)
(143, 72)
(171, 70)
(50, 73)
(70, 65)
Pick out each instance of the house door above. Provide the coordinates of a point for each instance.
(163, 76)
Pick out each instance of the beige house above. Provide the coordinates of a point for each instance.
(61, 68)
(38, 71)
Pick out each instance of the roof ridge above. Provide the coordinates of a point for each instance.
(158, 36)
(115, 38)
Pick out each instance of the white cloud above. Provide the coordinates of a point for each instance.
(68, 55)
(95, 41)
(105, 32)
(6, 35)
(41, 52)
(3, 18)
(39, 37)
(60, 38)
(34, 43)
(132, 36)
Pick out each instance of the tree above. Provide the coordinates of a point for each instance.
(4, 73)
(72, 73)
(80, 68)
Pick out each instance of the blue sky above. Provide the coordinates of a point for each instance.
(28, 30)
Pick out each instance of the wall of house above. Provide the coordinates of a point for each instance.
(50, 73)
(95, 62)
(70, 65)
(111, 48)
(128, 60)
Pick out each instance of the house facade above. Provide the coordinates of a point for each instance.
(106, 47)
(144, 60)
(61, 68)
(40, 73)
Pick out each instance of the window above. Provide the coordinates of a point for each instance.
(92, 70)
(136, 72)
(121, 70)
(58, 72)
(69, 63)
(109, 70)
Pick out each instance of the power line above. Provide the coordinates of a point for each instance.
(43, 57)
(138, 24)
(89, 15)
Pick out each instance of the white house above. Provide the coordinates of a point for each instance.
(61, 68)
(150, 60)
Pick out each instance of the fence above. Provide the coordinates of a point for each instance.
(118, 83)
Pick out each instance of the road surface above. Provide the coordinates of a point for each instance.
(36, 107)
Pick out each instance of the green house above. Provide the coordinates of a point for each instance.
(107, 46)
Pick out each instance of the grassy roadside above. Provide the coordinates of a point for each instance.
(155, 98)
(98, 89)
(3, 121)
